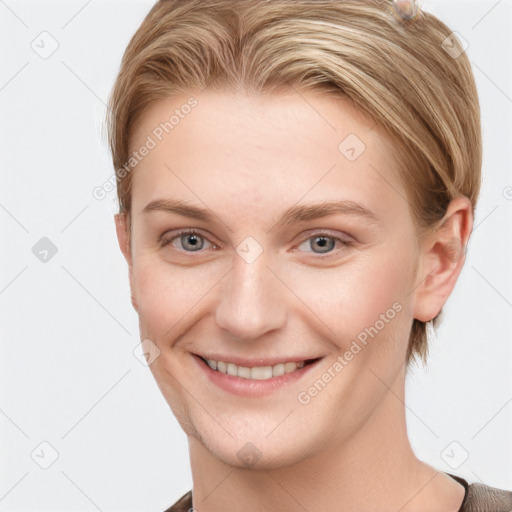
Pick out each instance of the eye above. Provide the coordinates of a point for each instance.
(324, 243)
(193, 241)
(190, 241)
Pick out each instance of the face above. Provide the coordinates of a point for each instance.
(270, 236)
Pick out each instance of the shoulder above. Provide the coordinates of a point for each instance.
(484, 498)
(184, 504)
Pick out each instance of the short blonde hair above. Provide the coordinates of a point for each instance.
(410, 76)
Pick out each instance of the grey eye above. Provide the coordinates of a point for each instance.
(192, 241)
(325, 243)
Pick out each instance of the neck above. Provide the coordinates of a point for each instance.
(374, 469)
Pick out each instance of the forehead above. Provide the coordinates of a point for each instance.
(284, 147)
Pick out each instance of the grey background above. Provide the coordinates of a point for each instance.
(69, 377)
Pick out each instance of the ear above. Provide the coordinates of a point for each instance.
(122, 222)
(442, 256)
(123, 236)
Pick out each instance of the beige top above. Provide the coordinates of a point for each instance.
(478, 498)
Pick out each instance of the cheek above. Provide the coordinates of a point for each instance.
(166, 294)
(351, 298)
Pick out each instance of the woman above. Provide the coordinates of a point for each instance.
(297, 182)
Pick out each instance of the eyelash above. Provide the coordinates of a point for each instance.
(319, 234)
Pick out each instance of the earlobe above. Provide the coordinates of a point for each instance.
(442, 257)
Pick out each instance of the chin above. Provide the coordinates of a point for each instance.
(259, 454)
(251, 442)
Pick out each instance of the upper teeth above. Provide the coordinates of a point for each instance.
(257, 372)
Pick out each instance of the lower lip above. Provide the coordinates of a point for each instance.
(252, 387)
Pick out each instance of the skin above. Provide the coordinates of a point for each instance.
(246, 159)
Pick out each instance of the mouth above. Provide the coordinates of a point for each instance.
(252, 372)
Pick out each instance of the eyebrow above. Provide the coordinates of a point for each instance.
(293, 215)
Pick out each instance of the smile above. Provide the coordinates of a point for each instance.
(256, 372)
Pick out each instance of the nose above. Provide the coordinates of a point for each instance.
(252, 301)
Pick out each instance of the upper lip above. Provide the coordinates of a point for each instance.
(263, 361)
